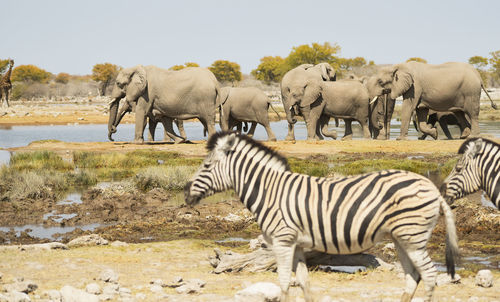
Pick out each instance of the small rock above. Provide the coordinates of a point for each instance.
(473, 299)
(111, 289)
(125, 292)
(140, 296)
(118, 243)
(109, 276)
(88, 240)
(23, 286)
(484, 278)
(71, 294)
(158, 282)
(53, 295)
(16, 296)
(4, 298)
(446, 279)
(232, 218)
(93, 288)
(156, 289)
(261, 291)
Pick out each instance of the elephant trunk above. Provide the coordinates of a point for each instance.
(113, 111)
(290, 114)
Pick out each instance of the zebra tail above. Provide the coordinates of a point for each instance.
(452, 252)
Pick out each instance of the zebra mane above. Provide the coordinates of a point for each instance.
(466, 144)
(212, 142)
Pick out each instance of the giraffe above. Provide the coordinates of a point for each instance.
(6, 85)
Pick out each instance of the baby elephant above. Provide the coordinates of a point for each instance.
(245, 104)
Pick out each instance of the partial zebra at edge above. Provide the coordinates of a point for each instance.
(341, 215)
(477, 169)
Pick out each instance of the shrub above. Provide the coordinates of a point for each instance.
(62, 78)
(30, 73)
(104, 73)
(226, 71)
(39, 160)
(165, 177)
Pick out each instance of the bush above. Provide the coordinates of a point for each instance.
(30, 73)
(39, 160)
(226, 71)
(104, 73)
(164, 177)
(18, 185)
(62, 78)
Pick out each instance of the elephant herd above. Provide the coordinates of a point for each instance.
(447, 93)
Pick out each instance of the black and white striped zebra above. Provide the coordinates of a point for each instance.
(335, 215)
(477, 169)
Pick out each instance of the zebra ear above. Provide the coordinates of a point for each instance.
(229, 143)
(475, 147)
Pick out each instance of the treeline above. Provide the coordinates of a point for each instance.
(32, 81)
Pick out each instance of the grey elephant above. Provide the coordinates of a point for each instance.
(343, 99)
(453, 86)
(293, 84)
(384, 104)
(153, 119)
(444, 119)
(245, 104)
(184, 94)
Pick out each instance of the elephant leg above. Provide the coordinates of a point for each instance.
(444, 126)
(251, 131)
(348, 129)
(323, 124)
(406, 113)
(422, 113)
(462, 120)
(180, 125)
(169, 131)
(224, 122)
(366, 129)
(290, 136)
(311, 117)
(141, 113)
(152, 123)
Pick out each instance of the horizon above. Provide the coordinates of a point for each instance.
(71, 37)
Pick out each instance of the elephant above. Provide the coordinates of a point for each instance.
(452, 86)
(444, 119)
(153, 118)
(293, 84)
(385, 105)
(245, 104)
(345, 99)
(192, 92)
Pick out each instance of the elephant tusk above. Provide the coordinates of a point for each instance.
(374, 99)
(111, 102)
(290, 109)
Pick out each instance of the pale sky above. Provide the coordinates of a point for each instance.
(72, 36)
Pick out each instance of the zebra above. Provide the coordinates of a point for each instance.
(341, 215)
(478, 168)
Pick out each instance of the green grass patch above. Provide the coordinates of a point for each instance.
(164, 177)
(39, 160)
(116, 166)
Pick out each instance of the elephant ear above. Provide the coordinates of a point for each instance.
(312, 91)
(138, 83)
(224, 95)
(402, 81)
(327, 72)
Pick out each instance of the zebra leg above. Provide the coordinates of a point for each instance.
(427, 270)
(284, 253)
(299, 263)
(412, 276)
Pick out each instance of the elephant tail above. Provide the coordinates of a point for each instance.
(272, 107)
(486, 91)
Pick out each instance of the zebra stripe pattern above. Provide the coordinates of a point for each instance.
(477, 169)
(335, 215)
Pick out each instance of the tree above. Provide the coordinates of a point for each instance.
(104, 73)
(62, 78)
(417, 59)
(349, 64)
(187, 64)
(30, 73)
(480, 64)
(314, 54)
(226, 71)
(495, 64)
(270, 69)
